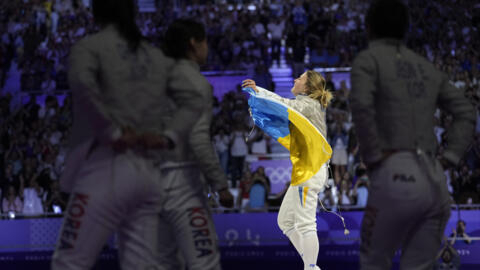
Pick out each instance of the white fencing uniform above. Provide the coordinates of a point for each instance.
(113, 88)
(395, 93)
(294, 211)
(299, 206)
(298, 212)
(184, 210)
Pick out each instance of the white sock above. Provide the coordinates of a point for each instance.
(310, 249)
(296, 240)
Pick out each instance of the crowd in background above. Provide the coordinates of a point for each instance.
(36, 36)
(33, 148)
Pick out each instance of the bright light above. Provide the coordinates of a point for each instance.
(57, 209)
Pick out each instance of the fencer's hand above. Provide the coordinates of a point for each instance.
(225, 198)
(249, 83)
(129, 139)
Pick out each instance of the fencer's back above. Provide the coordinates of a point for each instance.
(407, 91)
(128, 88)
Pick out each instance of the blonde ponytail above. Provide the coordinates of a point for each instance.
(315, 86)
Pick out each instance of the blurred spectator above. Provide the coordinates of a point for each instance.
(244, 190)
(353, 157)
(460, 232)
(260, 143)
(341, 98)
(466, 186)
(54, 17)
(54, 200)
(329, 82)
(221, 142)
(238, 152)
(448, 257)
(263, 77)
(48, 86)
(340, 155)
(345, 196)
(329, 196)
(259, 175)
(298, 57)
(258, 28)
(32, 108)
(8, 178)
(258, 192)
(15, 157)
(360, 190)
(299, 14)
(276, 28)
(32, 193)
(11, 201)
(49, 110)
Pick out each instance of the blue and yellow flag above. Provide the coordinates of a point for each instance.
(309, 150)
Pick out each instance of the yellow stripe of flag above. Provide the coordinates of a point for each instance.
(305, 190)
(309, 150)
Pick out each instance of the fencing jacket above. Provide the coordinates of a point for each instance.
(395, 93)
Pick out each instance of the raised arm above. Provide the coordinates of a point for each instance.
(262, 92)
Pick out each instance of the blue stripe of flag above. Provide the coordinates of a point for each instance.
(300, 190)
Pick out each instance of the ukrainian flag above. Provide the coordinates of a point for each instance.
(309, 150)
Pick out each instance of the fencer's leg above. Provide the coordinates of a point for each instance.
(139, 246)
(395, 206)
(196, 237)
(310, 247)
(296, 239)
(286, 220)
(424, 241)
(379, 238)
(421, 246)
(81, 237)
(305, 210)
(191, 221)
(103, 194)
(90, 217)
(382, 231)
(147, 242)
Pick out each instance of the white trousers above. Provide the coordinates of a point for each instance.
(111, 192)
(299, 206)
(155, 211)
(186, 222)
(408, 207)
